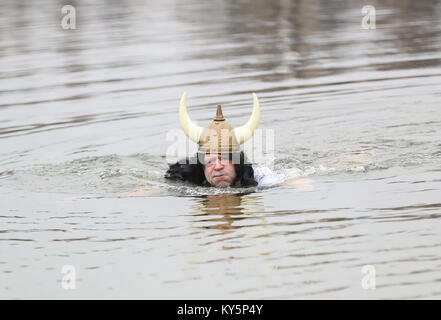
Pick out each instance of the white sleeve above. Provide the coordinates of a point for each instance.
(265, 177)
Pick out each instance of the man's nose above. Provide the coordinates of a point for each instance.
(219, 165)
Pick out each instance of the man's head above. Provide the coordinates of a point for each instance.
(219, 170)
(222, 163)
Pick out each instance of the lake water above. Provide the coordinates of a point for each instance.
(84, 118)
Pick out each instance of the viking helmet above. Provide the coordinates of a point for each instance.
(219, 137)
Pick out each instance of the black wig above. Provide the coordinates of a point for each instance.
(192, 170)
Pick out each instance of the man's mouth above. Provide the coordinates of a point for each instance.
(221, 182)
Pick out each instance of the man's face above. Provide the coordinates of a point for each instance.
(219, 171)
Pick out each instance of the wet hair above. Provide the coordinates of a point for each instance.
(192, 170)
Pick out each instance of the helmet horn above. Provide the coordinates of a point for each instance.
(191, 130)
(245, 132)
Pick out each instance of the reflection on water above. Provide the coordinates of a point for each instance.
(224, 211)
(84, 116)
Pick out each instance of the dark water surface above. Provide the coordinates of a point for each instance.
(84, 117)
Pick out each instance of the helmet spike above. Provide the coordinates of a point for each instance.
(219, 115)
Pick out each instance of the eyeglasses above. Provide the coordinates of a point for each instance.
(212, 160)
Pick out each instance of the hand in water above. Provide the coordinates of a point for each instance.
(304, 184)
(145, 192)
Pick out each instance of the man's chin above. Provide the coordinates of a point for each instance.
(222, 184)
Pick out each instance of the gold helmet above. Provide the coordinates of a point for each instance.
(219, 137)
